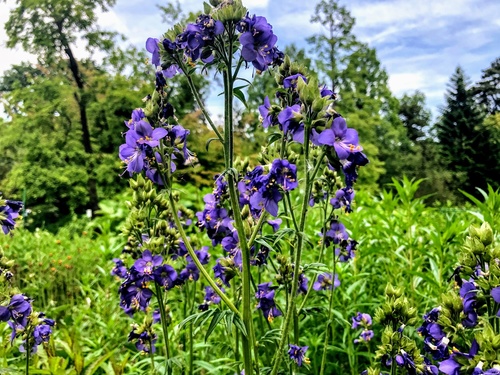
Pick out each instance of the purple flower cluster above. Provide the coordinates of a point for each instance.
(134, 291)
(198, 38)
(215, 218)
(18, 315)
(264, 191)
(298, 354)
(468, 293)
(436, 341)
(364, 321)
(343, 199)
(258, 43)
(140, 141)
(265, 296)
(8, 213)
(144, 341)
(337, 235)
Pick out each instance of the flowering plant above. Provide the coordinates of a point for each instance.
(256, 215)
(15, 308)
(462, 334)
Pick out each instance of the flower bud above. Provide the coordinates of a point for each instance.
(486, 234)
(474, 231)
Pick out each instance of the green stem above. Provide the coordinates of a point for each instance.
(195, 258)
(329, 322)
(152, 356)
(288, 202)
(256, 230)
(28, 361)
(238, 221)
(321, 253)
(291, 311)
(163, 319)
(197, 97)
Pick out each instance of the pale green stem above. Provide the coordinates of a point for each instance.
(256, 230)
(195, 258)
(197, 97)
(238, 221)
(329, 322)
(163, 319)
(300, 235)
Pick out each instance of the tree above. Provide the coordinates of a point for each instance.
(469, 149)
(487, 90)
(338, 40)
(415, 117)
(49, 29)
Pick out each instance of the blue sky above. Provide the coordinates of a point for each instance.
(419, 43)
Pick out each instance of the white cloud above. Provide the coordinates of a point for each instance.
(254, 4)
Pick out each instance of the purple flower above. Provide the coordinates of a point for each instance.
(346, 250)
(349, 167)
(20, 308)
(265, 295)
(365, 336)
(452, 367)
(134, 294)
(210, 298)
(119, 270)
(248, 185)
(303, 282)
(495, 294)
(152, 47)
(325, 282)
(267, 195)
(468, 293)
(343, 198)
(147, 263)
(326, 92)
(361, 320)
(275, 224)
(148, 135)
(165, 276)
(258, 42)
(223, 273)
(284, 174)
(264, 110)
(41, 334)
(8, 214)
(197, 38)
(344, 140)
(291, 81)
(288, 119)
(404, 360)
(336, 234)
(449, 367)
(298, 354)
(144, 341)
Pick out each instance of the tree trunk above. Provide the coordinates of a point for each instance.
(82, 106)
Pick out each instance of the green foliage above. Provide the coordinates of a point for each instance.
(487, 90)
(469, 149)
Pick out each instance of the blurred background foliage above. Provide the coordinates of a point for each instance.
(63, 116)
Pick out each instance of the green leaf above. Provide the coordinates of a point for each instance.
(239, 324)
(210, 141)
(94, 366)
(215, 320)
(207, 8)
(240, 95)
